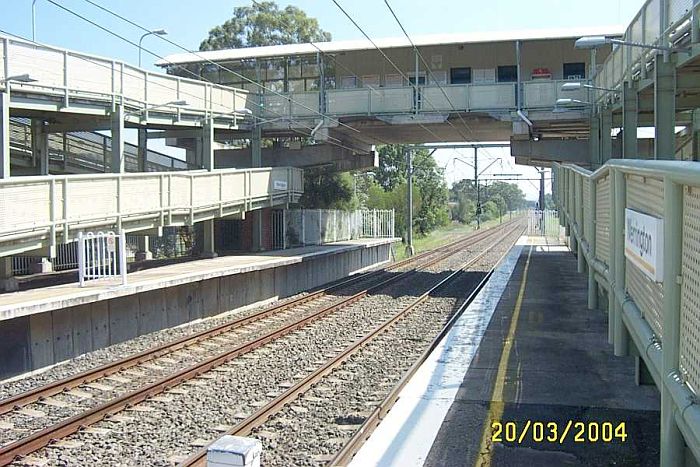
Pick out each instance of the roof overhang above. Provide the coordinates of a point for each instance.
(389, 43)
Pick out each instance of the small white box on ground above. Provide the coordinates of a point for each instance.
(229, 451)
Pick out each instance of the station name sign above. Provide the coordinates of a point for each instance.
(279, 185)
(644, 243)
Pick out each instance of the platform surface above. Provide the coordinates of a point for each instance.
(16, 304)
(552, 364)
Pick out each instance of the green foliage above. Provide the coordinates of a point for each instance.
(496, 199)
(430, 193)
(327, 189)
(263, 24)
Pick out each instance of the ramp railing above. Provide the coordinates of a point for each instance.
(635, 226)
(37, 211)
(319, 226)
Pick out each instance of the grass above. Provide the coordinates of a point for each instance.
(442, 236)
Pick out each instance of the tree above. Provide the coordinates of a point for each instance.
(432, 212)
(326, 189)
(263, 24)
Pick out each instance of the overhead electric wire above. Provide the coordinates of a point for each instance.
(196, 54)
(338, 143)
(386, 57)
(429, 71)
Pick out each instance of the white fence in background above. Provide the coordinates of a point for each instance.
(544, 223)
(319, 226)
(101, 255)
(66, 258)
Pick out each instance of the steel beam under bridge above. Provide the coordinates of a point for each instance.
(460, 146)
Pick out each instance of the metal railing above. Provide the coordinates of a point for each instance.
(101, 256)
(35, 211)
(319, 226)
(658, 22)
(69, 77)
(86, 151)
(660, 319)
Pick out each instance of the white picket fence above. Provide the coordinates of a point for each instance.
(319, 226)
(543, 223)
(101, 256)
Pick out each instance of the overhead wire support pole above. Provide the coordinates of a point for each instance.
(478, 193)
(409, 216)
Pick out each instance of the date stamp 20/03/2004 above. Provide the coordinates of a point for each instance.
(558, 432)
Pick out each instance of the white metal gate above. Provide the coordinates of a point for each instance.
(101, 255)
(544, 223)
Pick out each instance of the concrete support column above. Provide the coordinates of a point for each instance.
(142, 150)
(672, 445)
(118, 139)
(144, 251)
(605, 137)
(664, 108)
(594, 143)
(208, 248)
(40, 147)
(8, 283)
(256, 161)
(207, 144)
(629, 120)
(4, 135)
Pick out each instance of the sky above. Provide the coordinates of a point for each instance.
(188, 22)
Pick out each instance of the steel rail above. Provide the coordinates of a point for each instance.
(39, 439)
(256, 419)
(374, 419)
(34, 395)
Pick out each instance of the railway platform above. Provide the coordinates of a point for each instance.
(524, 377)
(40, 327)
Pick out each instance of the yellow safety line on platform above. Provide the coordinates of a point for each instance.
(497, 404)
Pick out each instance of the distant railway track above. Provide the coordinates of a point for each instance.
(97, 380)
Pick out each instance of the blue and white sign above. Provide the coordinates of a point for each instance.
(279, 184)
(644, 243)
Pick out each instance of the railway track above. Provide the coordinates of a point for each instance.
(320, 303)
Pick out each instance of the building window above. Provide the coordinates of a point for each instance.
(438, 77)
(507, 74)
(574, 71)
(370, 81)
(392, 81)
(460, 75)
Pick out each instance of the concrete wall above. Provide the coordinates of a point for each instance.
(35, 341)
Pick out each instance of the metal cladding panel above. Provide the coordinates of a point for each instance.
(586, 207)
(140, 194)
(179, 191)
(205, 190)
(260, 184)
(43, 65)
(678, 8)
(23, 206)
(434, 98)
(492, 96)
(194, 94)
(636, 35)
(540, 94)
(689, 363)
(392, 100)
(90, 74)
(276, 106)
(162, 90)
(89, 199)
(602, 220)
(645, 195)
(308, 99)
(133, 83)
(652, 25)
(348, 101)
(233, 186)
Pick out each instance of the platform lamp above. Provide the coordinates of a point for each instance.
(595, 42)
(156, 32)
(23, 78)
(576, 86)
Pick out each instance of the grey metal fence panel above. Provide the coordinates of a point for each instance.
(689, 363)
(602, 226)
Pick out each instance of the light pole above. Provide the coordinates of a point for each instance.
(33, 20)
(157, 32)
